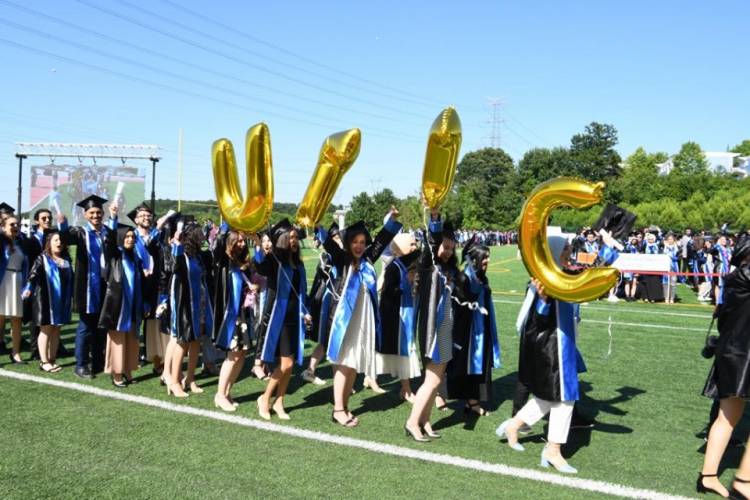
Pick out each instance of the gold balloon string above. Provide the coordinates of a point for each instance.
(473, 306)
(609, 331)
(329, 279)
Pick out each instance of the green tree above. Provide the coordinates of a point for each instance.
(689, 173)
(541, 164)
(362, 208)
(640, 179)
(594, 152)
(742, 148)
(487, 189)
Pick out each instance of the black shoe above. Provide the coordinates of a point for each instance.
(15, 361)
(733, 493)
(83, 372)
(121, 384)
(580, 422)
(3, 348)
(701, 488)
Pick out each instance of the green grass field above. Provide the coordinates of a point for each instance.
(645, 395)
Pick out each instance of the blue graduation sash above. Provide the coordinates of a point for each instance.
(476, 336)
(231, 308)
(142, 250)
(278, 313)
(345, 308)
(130, 307)
(94, 282)
(407, 312)
(569, 360)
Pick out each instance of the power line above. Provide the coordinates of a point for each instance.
(414, 98)
(495, 121)
(120, 16)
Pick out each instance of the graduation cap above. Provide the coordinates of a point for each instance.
(615, 220)
(6, 209)
(449, 231)
(333, 230)
(92, 201)
(170, 225)
(741, 251)
(353, 230)
(140, 208)
(278, 229)
(470, 244)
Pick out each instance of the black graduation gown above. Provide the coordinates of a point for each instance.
(40, 311)
(429, 289)
(222, 288)
(181, 306)
(77, 236)
(390, 305)
(315, 297)
(112, 302)
(461, 385)
(150, 285)
(730, 374)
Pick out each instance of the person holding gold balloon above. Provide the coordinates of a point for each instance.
(284, 315)
(476, 347)
(436, 275)
(355, 323)
(548, 360)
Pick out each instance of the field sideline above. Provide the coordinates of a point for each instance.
(643, 386)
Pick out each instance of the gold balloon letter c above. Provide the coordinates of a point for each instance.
(532, 239)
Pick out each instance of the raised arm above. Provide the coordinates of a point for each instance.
(384, 237)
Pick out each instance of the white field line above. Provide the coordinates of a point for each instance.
(597, 307)
(386, 449)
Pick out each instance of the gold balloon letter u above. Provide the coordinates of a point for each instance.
(532, 238)
(250, 213)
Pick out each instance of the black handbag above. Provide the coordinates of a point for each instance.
(710, 343)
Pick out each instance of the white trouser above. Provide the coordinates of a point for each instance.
(559, 417)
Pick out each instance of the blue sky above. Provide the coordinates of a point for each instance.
(130, 71)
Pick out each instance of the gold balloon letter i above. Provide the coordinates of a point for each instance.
(250, 213)
(337, 154)
(532, 238)
(440, 160)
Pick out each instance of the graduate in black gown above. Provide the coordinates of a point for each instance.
(284, 315)
(476, 347)
(729, 377)
(122, 306)
(50, 289)
(191, 311)
(320, 297)
(90, 281)
(231, 332)
(436, 276)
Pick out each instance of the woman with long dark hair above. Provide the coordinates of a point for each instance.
(284, 315)
(122, 307)
(233, 322)
(476, 347)
(50, 286)
(190, 304)
(436, 276)
(355, 320)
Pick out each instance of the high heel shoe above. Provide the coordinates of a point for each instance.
(419, 439)
(501, 432)
(373, 386)
(264, 415)
(176, 391)
(430, 434)
(279, 411)
(224, 404)
(564, 468)
(733, 493)
(119, 384)
(702, 488)
(348, 423)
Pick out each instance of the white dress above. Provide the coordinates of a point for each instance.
(11, 304)
(358, 347)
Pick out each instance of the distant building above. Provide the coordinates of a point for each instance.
(718, 162)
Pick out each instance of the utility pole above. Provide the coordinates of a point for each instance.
(179, 172)
(495, 121)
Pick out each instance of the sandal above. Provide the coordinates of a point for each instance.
(349, 423)
(48, 370)
(56, 368)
